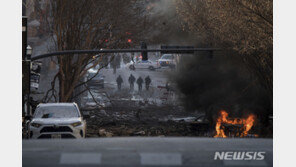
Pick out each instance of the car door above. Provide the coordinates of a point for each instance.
(138, 64)
(145, 64)
(149, 63)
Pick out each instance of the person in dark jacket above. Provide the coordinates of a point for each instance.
(119, 81)
(147, 82)
(140, 82)
(131, 81)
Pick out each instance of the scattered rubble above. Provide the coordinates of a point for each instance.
(124, 119)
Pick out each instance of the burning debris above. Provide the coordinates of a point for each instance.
(235, 126)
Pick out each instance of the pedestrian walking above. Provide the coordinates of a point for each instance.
(131, 81)
(119, 81)
(147, 82)
(140, 82)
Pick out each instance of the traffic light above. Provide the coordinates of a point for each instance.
(144, 53)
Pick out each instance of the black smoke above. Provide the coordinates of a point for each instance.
(211, 84)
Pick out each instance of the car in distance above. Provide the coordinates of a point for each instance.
(95, 79)
(142, 64)
(167, 60)
(57, 120)
(98, 100)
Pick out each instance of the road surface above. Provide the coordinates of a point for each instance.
(145, 151)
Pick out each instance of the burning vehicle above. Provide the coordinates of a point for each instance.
(234, 127)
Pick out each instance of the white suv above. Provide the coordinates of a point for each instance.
(57, 120)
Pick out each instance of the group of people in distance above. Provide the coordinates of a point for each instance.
(132, 81)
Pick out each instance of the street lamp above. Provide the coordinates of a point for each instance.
(29, 52)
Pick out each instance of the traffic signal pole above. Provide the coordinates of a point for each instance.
(71, 52)
(144, 53)
(25, 73)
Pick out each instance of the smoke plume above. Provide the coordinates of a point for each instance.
(221, 82)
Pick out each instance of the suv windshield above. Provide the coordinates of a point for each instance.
(56, 112)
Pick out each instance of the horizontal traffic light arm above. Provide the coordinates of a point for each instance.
(71, 52)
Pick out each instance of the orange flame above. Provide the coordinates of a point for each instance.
(223, 118)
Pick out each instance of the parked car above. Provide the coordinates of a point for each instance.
(97, 80)
(93, 69)
(100, 100)
(167, 60)
(142, 64)
(57, 120)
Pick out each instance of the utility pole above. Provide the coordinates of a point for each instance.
(24, 3)
(25, 64)
(28, 60)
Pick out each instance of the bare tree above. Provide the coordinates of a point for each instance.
(244, 26)
(89, 24)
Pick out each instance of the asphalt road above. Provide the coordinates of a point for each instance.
(145, 151)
